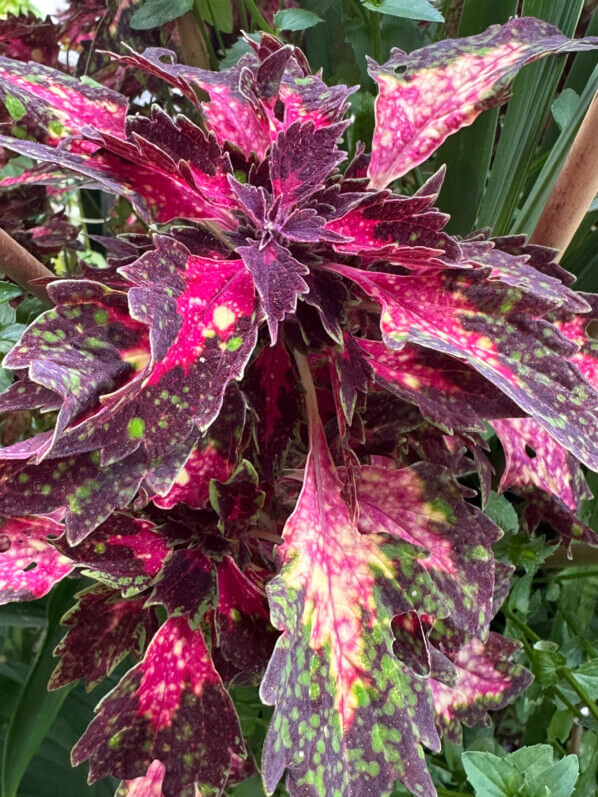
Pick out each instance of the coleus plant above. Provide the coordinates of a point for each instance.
(269, 398)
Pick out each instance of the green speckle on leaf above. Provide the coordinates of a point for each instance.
(15, 107)
(234, 343)
(136, 428)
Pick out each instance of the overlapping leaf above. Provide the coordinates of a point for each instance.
(446, 85)
(186, 584)
(124, 552)
(102, 629)
(245, 638)
(534, 459)
(424, 506)
(149, 785)
(482, 677)
(546, 474)
(171, 706)
(500, 333)
(87, 490)
(202, 324)
(405, 231)
(180, 173)
(342, 720)
(256, 99)
(57, 105)
(214, 457)
(446, 390)
(30, 565)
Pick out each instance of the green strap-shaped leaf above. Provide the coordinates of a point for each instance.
(36, 708)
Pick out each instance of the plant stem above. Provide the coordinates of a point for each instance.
(374, 25)
(257, 16)
(20, 265)
(311, 402)
(525, 629)
(564, 699)
(575, 188)
(564, 672)
(581, 692)
(215, 26)
(452, 793)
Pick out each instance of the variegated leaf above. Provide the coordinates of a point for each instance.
(30, 565)
(102, 629)
(446, 85)
(499, 333)
(349, 715)
(485, 678)
(171, 706)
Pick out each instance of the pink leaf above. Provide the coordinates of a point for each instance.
(484, 678)
(30, 565)
(173, 707)
(148, 785)
(446, 85)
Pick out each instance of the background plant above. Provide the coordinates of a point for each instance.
(551, 608)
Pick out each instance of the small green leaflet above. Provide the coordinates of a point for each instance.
(408, 9)
(155, 13)
(295, 19)
(529, 772)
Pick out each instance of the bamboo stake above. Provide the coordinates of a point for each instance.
(20, 265)
(575, 188)
(573, 193)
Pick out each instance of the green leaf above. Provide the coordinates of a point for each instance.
(408, 9)
(528, 772)
(23, 615)
(586, 676)
(16, 166)
(557, 781)
(524, 121)
(501, 511)
(563, 108)
(216, 12)
(490, 775)
(8, 291)
(249, 788)
(155, 13)
(239, 48)
(295, 19)
(36, 708)
(586, 785)
(583, 63)
(5, 379)
(547, 662)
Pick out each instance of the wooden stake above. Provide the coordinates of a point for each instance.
(575, 188)
(20, 265)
